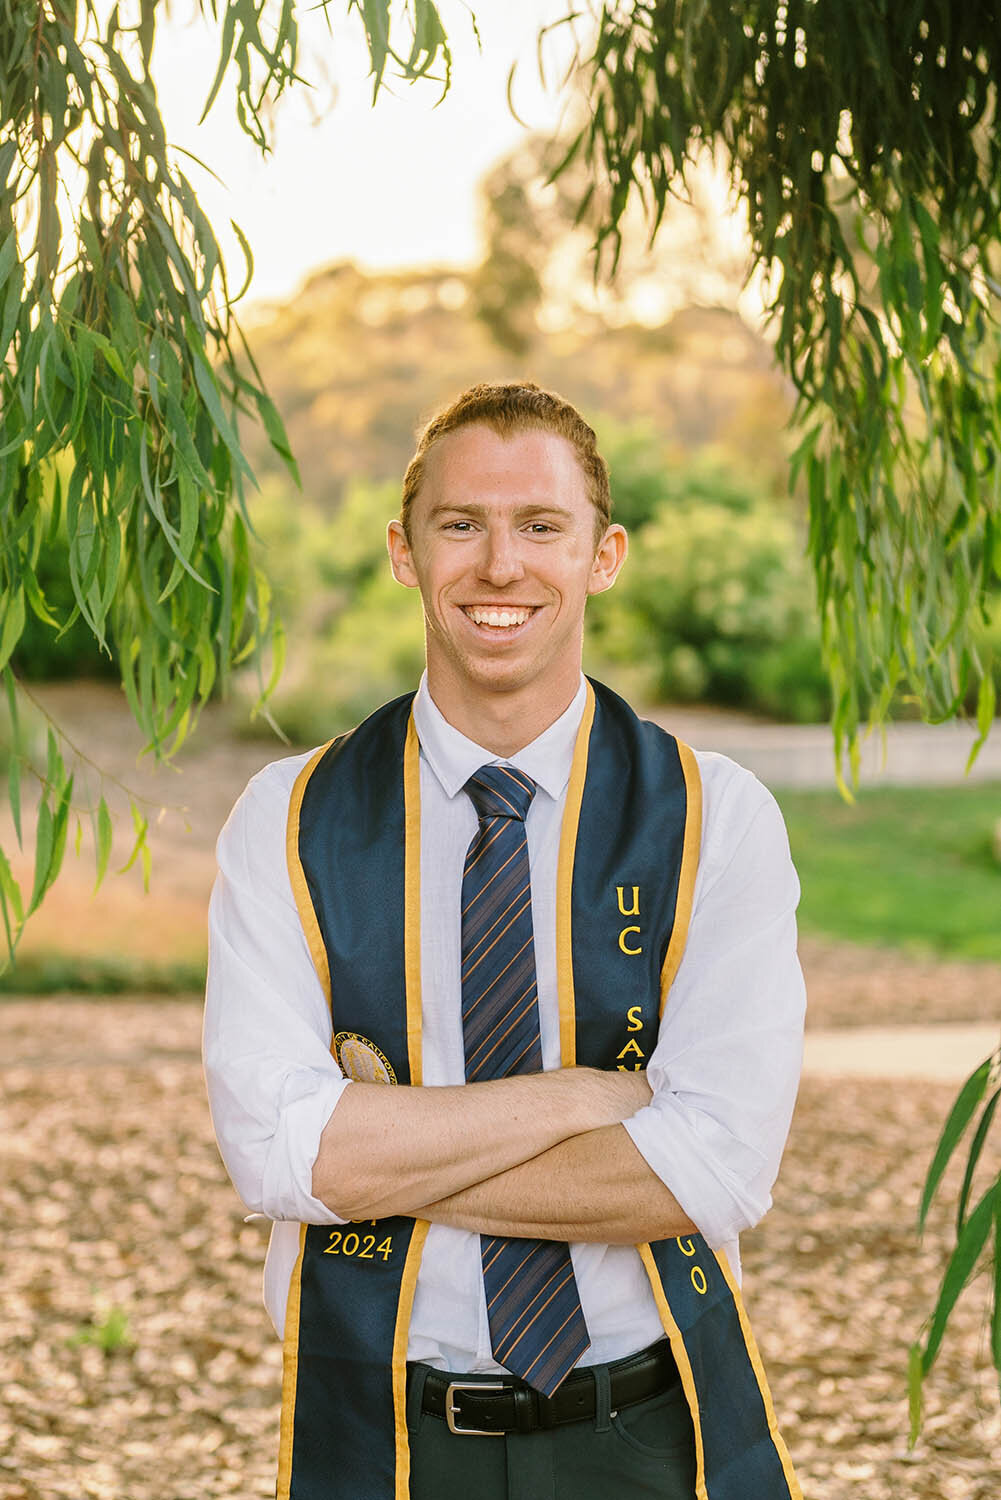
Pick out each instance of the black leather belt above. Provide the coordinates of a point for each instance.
(489, 1408)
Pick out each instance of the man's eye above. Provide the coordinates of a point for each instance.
(540, 528)
(461, 526)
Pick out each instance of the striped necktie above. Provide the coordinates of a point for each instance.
(537, 1328)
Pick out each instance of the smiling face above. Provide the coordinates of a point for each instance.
(502, 547)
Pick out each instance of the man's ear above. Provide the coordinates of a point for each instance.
(400, 556)
(608, 559)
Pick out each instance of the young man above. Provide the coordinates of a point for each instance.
(567, 943)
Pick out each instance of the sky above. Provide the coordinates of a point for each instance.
(386, 186)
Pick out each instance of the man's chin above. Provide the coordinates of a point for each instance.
(493, 673)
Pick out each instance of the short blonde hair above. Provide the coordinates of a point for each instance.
(510, 408)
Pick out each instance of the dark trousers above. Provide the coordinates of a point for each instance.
(646, 1450)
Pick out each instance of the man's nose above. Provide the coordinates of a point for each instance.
(500, 560)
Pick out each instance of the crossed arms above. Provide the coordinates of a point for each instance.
(542, 1156)
(538, 1155)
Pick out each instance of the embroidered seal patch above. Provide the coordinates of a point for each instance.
(361, 1059)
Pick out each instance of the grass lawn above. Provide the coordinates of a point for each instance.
(911, 867)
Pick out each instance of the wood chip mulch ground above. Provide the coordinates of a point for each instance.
(113, 1197)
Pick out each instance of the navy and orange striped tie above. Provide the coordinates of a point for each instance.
(537, 1328)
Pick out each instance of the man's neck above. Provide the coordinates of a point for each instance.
(502, 723)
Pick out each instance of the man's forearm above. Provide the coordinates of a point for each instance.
(594, 1186)
(389, 1150)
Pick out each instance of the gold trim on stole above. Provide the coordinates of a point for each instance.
(412, 965)
(290, 1372)
(681, 1360)
(753, 1354)
(564, 886)
(412, 899)
(318, 953)
(408, 1286)
(297, 875)
(690, 849)
(689, 870)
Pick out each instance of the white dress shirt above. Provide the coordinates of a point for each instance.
(724, 1071)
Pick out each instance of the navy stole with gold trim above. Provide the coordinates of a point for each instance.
(351, 843)
(628, 869)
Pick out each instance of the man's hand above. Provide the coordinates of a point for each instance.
(388, 1150)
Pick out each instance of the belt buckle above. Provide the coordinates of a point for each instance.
(450, 1409)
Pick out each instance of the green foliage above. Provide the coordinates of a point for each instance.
(861, 140)
(641, 466)
(62, 645)
(108, 974)
(109, 322)
(124, 375)
(715, 602)
(358, 634)
(974, 1227)
(108, 1330)
(374, 651)
(911, 867)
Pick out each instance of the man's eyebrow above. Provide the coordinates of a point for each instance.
(463, 510)
(472, 509)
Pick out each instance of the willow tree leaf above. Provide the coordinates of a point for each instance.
(44, 842)
(961, 1264)
(10, 309)
(140, 849)
(960, 1115)
(60, 829)
(12, 891)
(154, 499)
(995, 1344)
(103, 838)
(13, 624)
(976, 1147)
(915, 1392)
(14, 791)
(8, 256)
(248, 258)
(986, 706)
(225, 54)
(275, 429)
(209, 391)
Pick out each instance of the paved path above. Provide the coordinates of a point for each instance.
(96, 717)
(937, 1054)
(41, 1033)
(802, 755)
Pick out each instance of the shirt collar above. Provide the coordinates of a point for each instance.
(453, 758)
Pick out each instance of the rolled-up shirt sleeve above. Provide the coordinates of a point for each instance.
(726, 1066)
(272, 1081)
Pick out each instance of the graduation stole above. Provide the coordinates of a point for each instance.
(627, 861)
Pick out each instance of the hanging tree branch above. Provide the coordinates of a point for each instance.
(863, 142)
(121, 390)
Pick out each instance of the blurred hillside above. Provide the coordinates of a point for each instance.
(357, 362)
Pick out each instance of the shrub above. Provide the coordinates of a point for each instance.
(716, 601)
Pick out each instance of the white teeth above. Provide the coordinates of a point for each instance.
(502, 617)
